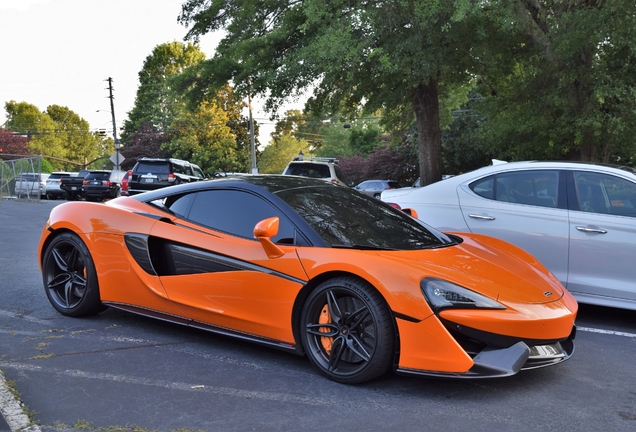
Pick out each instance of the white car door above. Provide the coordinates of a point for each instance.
(603, 238)
(527, 208)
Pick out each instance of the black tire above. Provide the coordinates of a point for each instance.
(377, 195)
(357, 342)
(69, 277)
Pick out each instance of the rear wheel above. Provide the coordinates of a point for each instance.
(347, 330)
(69, 277)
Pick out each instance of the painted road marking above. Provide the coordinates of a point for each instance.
(609, 332)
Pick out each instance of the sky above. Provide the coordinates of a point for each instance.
(61, 52)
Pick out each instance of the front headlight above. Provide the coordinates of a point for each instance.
(442, 294)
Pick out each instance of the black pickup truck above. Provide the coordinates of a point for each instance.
(72, 185)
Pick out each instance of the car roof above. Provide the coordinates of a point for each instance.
(270, 182)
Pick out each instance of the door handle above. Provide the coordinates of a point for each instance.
(591, 230)
(482, 217)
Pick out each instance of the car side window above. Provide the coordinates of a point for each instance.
(484, 187)
(198, 173)
(236, 213)
(605, 194)
(534, 187)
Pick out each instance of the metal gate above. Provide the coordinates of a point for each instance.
(21, 177)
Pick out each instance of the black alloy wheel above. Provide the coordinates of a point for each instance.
(69, 277)
(348, 331)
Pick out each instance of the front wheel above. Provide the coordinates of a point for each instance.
(347, 330)
(69, 277)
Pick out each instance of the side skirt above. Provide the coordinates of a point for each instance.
(285, 346)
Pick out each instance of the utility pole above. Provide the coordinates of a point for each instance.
(112, 112)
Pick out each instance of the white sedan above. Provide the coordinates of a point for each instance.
(578, 219)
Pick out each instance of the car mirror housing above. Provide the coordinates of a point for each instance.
(264, 231)
(411, 212)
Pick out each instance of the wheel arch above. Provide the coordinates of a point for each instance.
(312, 284)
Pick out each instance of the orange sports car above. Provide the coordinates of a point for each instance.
(313, 268)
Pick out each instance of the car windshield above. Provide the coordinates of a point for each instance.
(344, 218)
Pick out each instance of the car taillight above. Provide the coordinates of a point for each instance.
(171, 178)
(334, 181)
(394, 205)
(107, 183)
(84, 182)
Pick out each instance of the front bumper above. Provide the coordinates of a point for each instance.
(492, 362)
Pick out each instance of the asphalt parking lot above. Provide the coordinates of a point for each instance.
(118, 371)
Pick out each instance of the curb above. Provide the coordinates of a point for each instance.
(11, 410)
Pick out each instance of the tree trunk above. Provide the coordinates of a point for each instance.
(426, 106)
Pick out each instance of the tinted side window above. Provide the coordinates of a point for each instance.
(237, 212)
(178, 168)
(607, 194)
(538, 188)
(484, 187)
(340, 174)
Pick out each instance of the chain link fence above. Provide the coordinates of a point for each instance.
(21, 177)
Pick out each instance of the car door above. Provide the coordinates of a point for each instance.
(527, 208)
(602, 236)
(222, 276)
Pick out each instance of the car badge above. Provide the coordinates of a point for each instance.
(547, 293)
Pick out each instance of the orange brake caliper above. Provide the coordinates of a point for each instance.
(325, 318)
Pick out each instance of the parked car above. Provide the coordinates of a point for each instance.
(72, 185)
(52, 189)
(31, 185)
(312, 268)
(321, 168)
(578, 219)
(154, 173)
(99, 185)
(374, 188)
(416, 183)
(123, 187)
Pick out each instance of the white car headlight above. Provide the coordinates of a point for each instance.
(442, 294)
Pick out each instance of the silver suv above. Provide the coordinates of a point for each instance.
(321, 168)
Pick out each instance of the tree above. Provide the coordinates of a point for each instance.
(203, 137)
(79, 144)
(11, 143)
(37, 126)
(278, 153)
(572, 91)
(143, 142)
(402, 56)
(156, 100)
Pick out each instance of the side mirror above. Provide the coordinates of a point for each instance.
(411, 212)
(264, 231)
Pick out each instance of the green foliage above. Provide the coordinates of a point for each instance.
(156, 102)
(38, 126)
(57, 133)
(356, 56)
(571, 92)
(204, 138)
(278, 153)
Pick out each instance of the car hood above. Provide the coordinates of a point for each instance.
(488, 266)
